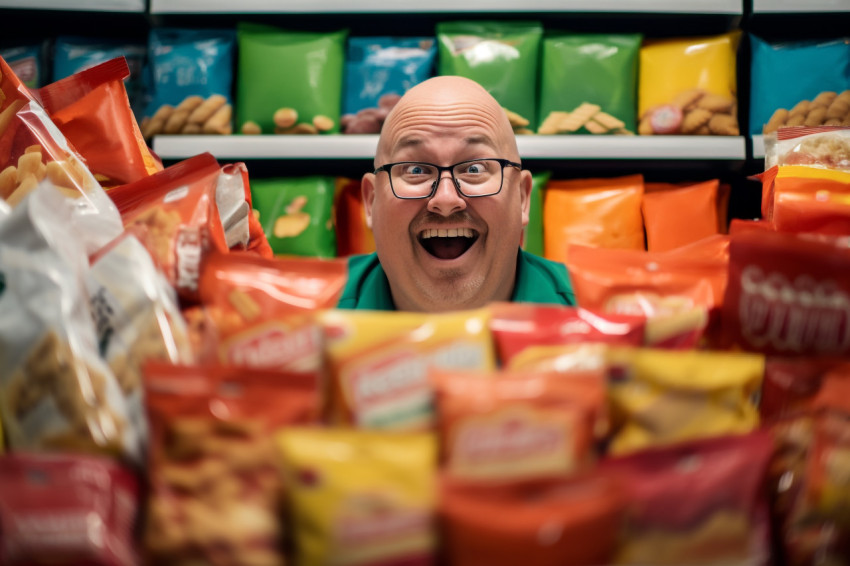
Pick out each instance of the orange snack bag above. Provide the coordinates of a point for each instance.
(242, 228)
(353, 235)
(570, 521)
(674, 216)
(517, 327)
(689, 86)
(676, 291)
(215, 483)
(360, 497)
(260, 311)
(513, 425)
(33, 149)
(174, 214)
(601, 213)
(378, 362)
(695, 503)
(92, 109)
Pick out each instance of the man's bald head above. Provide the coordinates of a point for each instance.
(449, 100)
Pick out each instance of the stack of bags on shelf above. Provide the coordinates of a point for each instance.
(172, 393)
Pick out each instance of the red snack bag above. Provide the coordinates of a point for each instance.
(518, 326)
(674, 216)
(92, 109)
(32, 149)
(787, 295)
(512, 425)
(66, 510)
(174, 214)
(554, 522)
(675, 291)
(260, 310)
(353, 235)
(215, 485)
(695, 503)
(790, 384)
(242, 228)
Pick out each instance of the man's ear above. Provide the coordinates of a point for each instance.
(525, 183)
(367, 192)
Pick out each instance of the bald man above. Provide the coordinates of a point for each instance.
(447, 204)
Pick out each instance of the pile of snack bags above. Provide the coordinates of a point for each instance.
(172, 392)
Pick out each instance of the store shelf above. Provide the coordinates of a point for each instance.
(530, 147)
(734, 7)
(758, 146)
(135, 6)
(798, 6)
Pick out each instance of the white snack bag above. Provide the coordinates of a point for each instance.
(56, 393)
(137, 318)
(232, 206)
(825, 147)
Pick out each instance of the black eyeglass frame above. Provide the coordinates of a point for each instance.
(450, 168)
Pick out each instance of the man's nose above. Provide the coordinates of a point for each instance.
(446, 199)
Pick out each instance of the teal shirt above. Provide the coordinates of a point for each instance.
(538, 280)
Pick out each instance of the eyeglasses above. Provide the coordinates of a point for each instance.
(473, 178)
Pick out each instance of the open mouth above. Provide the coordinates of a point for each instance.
(447, 243)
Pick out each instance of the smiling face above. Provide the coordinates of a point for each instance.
(447, 252)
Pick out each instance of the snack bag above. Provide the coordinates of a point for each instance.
(512, 425)
(787, 295)
(826, 147)
(353, 235)
(242, 228)
(27, 62)
(678, 292)
(378, 362)
(215, 485)
(260, 311)
(517, 327)
(92, 110)
(32, 149)
(378, 70)
(360, 498)
(174, 214)
(136, 317)
(662, 397)
(191, 74)
(72, 54)
(796, 83)
(675, 216)
(289, 82)
(696, 503)
(588, 83)
(297, 214)
(67, 509)
(689, 86)
(56, 393)
(566, 521)
(532, 235)
(791, 383)
(602, 213)
(501, 56)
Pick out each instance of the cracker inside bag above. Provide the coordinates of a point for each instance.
(56, 393)
(827, 147)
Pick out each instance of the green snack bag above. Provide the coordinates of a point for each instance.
(297, 214)
(532, 240)
(500, 56)
(289, 82)
(588, 84)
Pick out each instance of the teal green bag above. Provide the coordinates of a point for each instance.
(588, 83)
(288, 81)
(502, 57)
(297, 214)
(532, 240)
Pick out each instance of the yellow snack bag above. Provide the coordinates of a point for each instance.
(378, 362)
(360, 497)
(689, 86)
(660, 397)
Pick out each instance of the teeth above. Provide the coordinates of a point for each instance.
(447, 233)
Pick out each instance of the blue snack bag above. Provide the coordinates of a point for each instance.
(190, 75)
(72, 54)
(378, 70)
(27, 61)
(799, 84)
